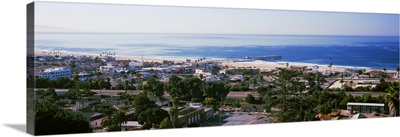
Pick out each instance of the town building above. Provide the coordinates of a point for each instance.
(135, 64)
(365, 107)
(54, 73)
(193, 113)
(375, 73)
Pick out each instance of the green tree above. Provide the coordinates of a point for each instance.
(72, 64)
(215, 89)
(50, 119)
(250, 99)
(215, 70)
(120, 118)
(293, 103)
(211, 102)
(175, 88)
(392, 99)
(236, 104)
(141, 103)
(166, 123)
(193, 87)
(152, 117)
(367, 98)
(155, 88)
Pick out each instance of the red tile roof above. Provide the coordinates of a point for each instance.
(375, 71)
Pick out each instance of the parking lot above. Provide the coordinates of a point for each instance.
(238, 118)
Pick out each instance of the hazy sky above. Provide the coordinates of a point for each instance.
(157, 19)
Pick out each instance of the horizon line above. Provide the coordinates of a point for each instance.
(103, 32)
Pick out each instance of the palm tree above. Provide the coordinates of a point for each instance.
(126, 85)
(330, 65)
(391, 98)
(172, 111)
(121, 118)
(253, 81)
(90, 82)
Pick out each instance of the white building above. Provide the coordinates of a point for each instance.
(112, 64)
(54, 73)
(237, 77)
(135, 64)
(365, 107)
(210, 79)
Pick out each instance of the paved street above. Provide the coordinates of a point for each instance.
(231, 94)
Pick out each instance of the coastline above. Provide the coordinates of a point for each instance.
(266, 65)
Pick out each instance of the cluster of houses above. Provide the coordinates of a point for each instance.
(355, 110)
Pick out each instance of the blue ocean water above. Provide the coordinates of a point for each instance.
(376, 52)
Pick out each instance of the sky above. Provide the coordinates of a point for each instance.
(82, 17)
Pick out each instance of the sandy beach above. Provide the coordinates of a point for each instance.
(263, 65)
(118, 57)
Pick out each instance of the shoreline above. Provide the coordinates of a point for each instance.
(257, 64)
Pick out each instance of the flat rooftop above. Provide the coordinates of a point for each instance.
(366, 104)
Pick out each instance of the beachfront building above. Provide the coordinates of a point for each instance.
(243, 70)
(54, 73)
(365, 107)
(392, 74)
(375, 73)
(298, 68)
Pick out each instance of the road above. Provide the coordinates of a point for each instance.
(232, 94)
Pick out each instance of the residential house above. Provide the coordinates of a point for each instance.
(375, 73)
(237, 78)
(210, 79)
(94, 118)
(115, 100)
(392, 74)
(298, 68)
(85, 102)
(131, 125)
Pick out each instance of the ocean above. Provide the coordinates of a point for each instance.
(376, 52)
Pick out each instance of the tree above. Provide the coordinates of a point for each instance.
(126, 83)
(392, 99)
(294, 105)
(72, 64)
(72, 94)
(236, 104)
(49, 92)
(211, 102)
(120, 118)
(250, 99)
(166, 123)
(366, 98)
(152, 117)
(155, 88)
(215, 70)
(141, 103)
(193, 87)
(50, 119)
(215, 89)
